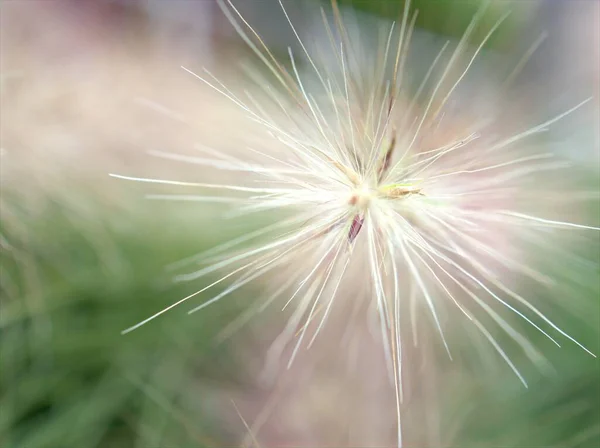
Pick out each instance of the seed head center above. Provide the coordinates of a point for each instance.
(361, 197)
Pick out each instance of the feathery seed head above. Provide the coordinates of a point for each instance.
(386, 191)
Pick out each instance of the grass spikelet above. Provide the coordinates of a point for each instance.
(378, 181)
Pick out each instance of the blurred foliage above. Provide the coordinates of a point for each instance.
(70, 284)
(561, 406)
(452, 17)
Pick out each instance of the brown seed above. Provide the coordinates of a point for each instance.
(357, 224)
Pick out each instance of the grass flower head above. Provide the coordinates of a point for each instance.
(382, 186)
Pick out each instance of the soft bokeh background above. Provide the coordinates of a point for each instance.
(87, 88)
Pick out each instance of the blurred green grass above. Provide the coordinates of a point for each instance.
(451, 18)
(561, 406)
(70, 284)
